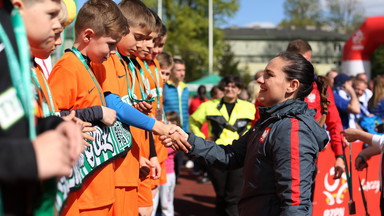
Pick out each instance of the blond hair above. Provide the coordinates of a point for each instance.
(103, 17)
(29, 3)
(253, 91)
(63, 14)
(378, 92)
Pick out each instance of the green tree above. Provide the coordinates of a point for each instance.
(377, 62)
(345, 15)
(247, 76)
(227, 64)
(300, 13)
(187, 24)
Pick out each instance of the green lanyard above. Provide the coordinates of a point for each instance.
(47, 110)
(132, 68)
(146, 83)
(81, 58)
(157, 82)
(131, 93)
(20, 68)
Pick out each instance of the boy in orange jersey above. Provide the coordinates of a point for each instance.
(125, 84)
(153, 69)
(138, 15)
(117, 80)
(152, 86)
(98, 27)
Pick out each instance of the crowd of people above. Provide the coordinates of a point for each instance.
(106, 129)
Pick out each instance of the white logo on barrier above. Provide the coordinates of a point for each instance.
(335, 192)
(357, 40)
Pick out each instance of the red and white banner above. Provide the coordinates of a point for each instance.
(359, 47)
(332, 196)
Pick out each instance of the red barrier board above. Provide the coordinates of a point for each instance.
(332, 196)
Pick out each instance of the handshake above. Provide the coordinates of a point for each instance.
(172, 136)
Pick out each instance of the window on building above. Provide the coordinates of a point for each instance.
(337, 48)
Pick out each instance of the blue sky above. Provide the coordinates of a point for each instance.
(269, 13)
(261, 12)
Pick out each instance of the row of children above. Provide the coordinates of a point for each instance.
(111, 73)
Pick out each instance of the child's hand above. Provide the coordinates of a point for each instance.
(145, 106)
(109, 116)
(145, 167)
(156, 170)
(86, 126)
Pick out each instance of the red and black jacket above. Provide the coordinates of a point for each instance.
(278, 155)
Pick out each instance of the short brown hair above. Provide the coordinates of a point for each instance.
(158, 22)
(172, 116)
(165, 60)
(299, 46)
(163, 31)
(178, 61)
(137, 14)
(103, 17)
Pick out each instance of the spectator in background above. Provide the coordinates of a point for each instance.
(257, 103)
(367, 92)
(176, 93)
(228, 119)
(198, 99)
(216, 92)
(360, 86)
(166, 64)
(376, 103)
(243, 95)
(346, 100)
(253, 91)
(175, 98)
(331, 76)
(258, 74)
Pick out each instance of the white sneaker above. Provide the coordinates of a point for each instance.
(189, 164)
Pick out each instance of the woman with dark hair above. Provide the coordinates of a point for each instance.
(278, 154)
